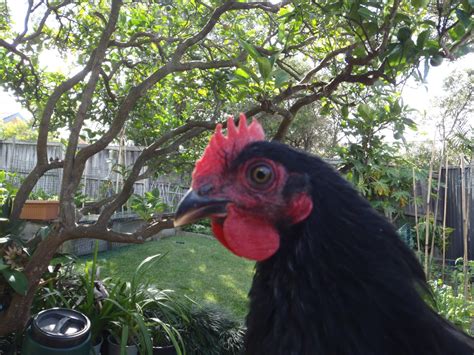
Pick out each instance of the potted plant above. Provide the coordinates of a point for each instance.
(128, 301)
(166, 319)
(40, 206)
(93, 304)
(123, 336)
(149, 205)
(162, 342)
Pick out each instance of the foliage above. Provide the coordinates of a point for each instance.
(455, 274)
(454, 110)
(433, 229)
(376, 168)
(211, 330)
(15, 278)
(126, 309)
(149, 205)
(8, 190)
(194, 329)
(20, 130)
(42, 195)
(314, 129)
(80, 198)
(61, 287)
(452, 305)
(13, 257)
(201, 227)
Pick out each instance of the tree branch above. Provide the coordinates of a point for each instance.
(72, 173)
(187, 132)
(218, 12)
(325, 62)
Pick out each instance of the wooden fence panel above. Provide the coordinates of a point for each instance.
(454, 218)
(101, 174)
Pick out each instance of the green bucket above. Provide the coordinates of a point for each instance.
(58, 331)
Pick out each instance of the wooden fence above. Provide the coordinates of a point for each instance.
(454, 217)
(102, 174)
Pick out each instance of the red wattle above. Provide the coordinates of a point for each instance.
(218, 231)
(247, 236)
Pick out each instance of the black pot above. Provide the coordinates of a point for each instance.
(97, 345)
(164, 350)
(114, 348)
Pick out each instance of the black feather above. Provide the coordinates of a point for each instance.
(341, 282)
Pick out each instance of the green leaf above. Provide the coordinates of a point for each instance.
(265, 68)
(457, 32)
(17, 280)
(144, 333)
(281, 77)
(366, 13)
(325, 109)
(463, 17)
(396, 108)
(421, 39)
(124, 339)
(364, 111)
(148, 260)
(419, 3)
(345, 111)
(273, 58)
(409, 122)
(2, 265)
(242, 73)
(249, 72)
(250, 49)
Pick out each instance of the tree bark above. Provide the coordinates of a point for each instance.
(18, 313)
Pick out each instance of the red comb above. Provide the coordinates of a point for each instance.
(222, 149)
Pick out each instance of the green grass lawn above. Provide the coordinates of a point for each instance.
(196, 267)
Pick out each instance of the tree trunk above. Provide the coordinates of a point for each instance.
(17, 314)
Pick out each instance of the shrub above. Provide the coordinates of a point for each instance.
(213, 331)
(202, 227)
(452, 306)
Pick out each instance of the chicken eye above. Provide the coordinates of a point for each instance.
(261, 174)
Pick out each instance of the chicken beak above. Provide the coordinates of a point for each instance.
(193, 207)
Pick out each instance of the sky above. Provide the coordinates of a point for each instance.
(422, 96)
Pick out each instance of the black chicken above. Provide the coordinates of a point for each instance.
(332, 276)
